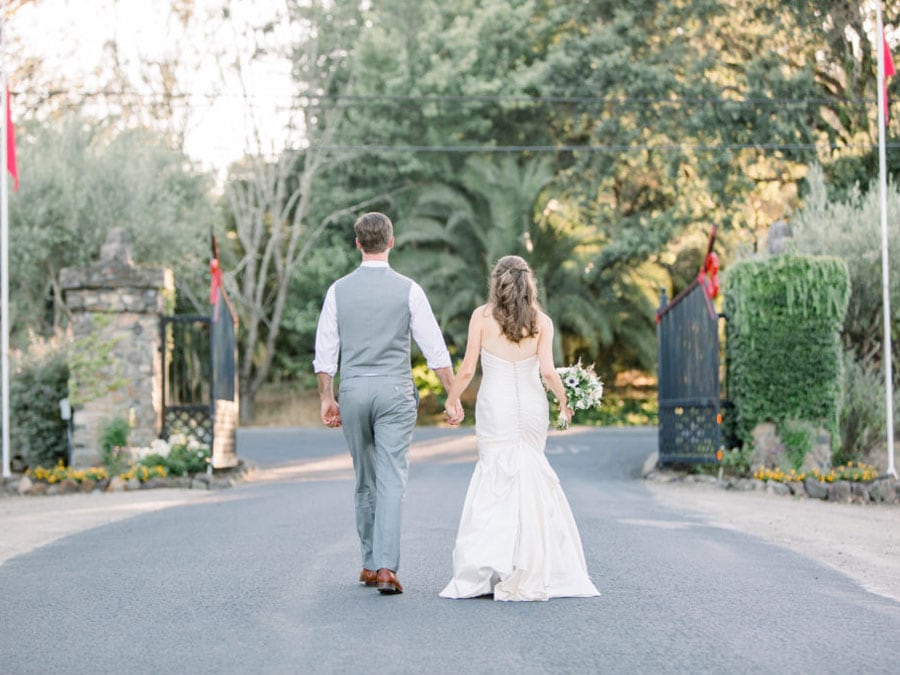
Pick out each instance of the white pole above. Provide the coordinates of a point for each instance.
(4, 248)
(885, 273)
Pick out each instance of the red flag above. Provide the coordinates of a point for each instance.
(11, 145)
(888, 71)
(215, 285)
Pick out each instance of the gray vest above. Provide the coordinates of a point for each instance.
(373, 323)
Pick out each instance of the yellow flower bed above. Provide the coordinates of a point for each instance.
(60, 473)
(144, 473)
(779, 475)
(857, 472)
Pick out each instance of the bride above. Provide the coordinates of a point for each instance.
(517, 537)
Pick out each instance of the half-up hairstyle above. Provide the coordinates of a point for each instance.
(513, 295)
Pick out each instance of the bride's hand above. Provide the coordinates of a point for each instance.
(454, 412)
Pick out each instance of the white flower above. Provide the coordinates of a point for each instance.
(160, 447)
(584, 390)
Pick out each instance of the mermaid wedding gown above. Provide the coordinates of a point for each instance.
(517, 537)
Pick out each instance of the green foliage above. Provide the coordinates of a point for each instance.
(186, 458)
(863, 420)
(620, 411)
(92, 368)
(83, 180)
(851, 230)
(113, 442)
(783, 348)
(797, 437)
(309, 283)
(427, 382)
(38, 383)
(737, 460)
(152, 459)
(183, 459)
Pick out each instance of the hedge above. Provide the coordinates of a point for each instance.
(783, 341)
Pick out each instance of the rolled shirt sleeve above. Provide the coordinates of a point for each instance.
(425, 330)
(328, 343)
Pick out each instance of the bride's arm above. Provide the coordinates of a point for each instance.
(466, 370)
(548, 370)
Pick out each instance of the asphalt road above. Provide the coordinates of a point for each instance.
(261, 578)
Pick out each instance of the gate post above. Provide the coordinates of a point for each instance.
(115, 308)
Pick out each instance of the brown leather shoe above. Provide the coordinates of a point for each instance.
(367, 577)
(387, 583)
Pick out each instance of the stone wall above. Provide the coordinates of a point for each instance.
(115, 308)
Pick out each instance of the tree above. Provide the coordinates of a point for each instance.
(84, 179)
(850, 229)
(279, 208)
(498, 207)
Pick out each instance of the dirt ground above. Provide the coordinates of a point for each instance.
(861, 541)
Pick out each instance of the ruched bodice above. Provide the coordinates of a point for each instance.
(517, 537)
(511, 408)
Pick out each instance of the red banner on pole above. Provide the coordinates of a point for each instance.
(11, 145)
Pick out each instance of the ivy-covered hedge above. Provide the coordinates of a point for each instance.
(783, 340)
(37, 432)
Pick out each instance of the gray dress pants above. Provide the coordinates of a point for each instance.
(378, 416)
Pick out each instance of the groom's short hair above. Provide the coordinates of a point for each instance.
(373, 232)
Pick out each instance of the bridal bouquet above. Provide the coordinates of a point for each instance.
(584, 389)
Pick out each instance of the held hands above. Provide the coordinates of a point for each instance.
(454, 412)
(330, 413)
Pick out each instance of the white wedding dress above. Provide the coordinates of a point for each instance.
(517, 537)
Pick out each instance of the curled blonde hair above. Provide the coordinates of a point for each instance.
(513, 294)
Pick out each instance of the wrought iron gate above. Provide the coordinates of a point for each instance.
(199, 383)
(188, 377)
(688, 384)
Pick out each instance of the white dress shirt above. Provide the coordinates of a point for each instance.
(423, 326)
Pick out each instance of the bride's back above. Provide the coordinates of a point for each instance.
(494, 341)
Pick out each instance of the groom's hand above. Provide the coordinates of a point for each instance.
(455, 413)
(331, 413)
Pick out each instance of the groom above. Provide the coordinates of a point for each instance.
(367, 319)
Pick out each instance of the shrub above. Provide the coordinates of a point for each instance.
(738, 459)
(863, 420)
(851, 230)
(113, 440)
(797, 437)
(38, 383)
(187, 458)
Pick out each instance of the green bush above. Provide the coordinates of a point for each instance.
(738, 460)
(113, 440)
(850, 229)
(797, 437)
(620, 411)
(863, 421)
(37, 384)
(783, 340)
(184, 459)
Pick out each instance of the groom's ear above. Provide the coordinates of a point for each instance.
(359, 246)
(390, 244)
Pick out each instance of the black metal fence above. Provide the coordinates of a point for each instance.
(688, 384)
(188, 377)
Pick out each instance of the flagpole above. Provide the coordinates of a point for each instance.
(4, 249)
(885, 275)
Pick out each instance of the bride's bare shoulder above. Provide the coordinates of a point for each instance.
(482, 312)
